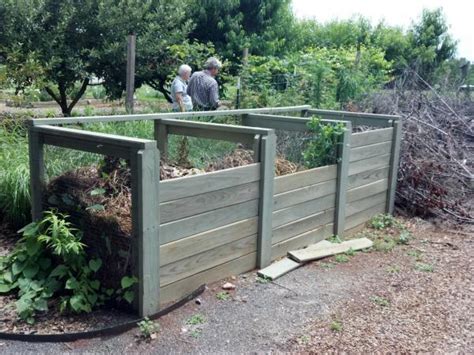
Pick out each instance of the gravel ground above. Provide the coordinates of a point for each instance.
(418, 297)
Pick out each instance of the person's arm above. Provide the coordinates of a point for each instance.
(214, 95)
(179, 100)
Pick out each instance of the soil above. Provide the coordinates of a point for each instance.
(414, 298)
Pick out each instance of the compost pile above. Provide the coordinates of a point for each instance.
(436, 163)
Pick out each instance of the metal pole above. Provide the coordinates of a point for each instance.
(130, 85)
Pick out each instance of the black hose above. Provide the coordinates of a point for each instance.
(114, 330)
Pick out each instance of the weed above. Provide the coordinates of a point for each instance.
(384, 244)
(223, 296)
(327, 265)
(424, 267)
(404, 237)
(350, 252)
(148, 328)
(335, 239)
(195, 333)
(336, 326)
(341, 258)
(263, 279)
(418, 255)
(383, 221)
(393, 269)
(304, 339)
(196, 319)
(381, 301)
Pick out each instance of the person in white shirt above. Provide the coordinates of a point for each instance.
(181, 100)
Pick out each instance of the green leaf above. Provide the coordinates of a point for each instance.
(129, 296)
(60, 270)
(95, 264)
(4, 288)
(7, 276)
(31, 270)
(95, 284)
(92, 298)
(23, 305)
(127, 281)
(98, 191)
(44, 263)
(96, 207)
(32, 246)
(76, 303)
(40, 305)
(18, 267)
(29, 230)
(72, 284)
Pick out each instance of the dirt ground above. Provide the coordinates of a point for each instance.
(414, 298)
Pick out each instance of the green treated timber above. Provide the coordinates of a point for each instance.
(288, 123)
(205, 132)
(365, 203)
(364, 216)
(304, 178)
(278, 269)
(174, 115)
(36, 157)
(201, 242)
(371, 137)
(161, 137)
(344, 149)
(187, 186)
(369, 164)
(267, 173)
(367, 190)
(367, 177)
(394, 163)
(357, 118)
(303, 194)
(369, 151)
(146, 225)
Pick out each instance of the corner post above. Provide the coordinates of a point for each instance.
(265, 214)
(161, 137)
(394, 162)
(146, 227)
(36, 156)
(343, 155)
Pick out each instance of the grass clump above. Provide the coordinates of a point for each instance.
(336, 326)
(196, 319)
(341, 258)
(424, 267)
(380, 301)
(223, 296)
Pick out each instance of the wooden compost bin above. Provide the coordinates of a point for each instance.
(198, 229)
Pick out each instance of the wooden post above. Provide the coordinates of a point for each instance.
(256, 148)
(36, 154)
(265, 214)
(394, 162)
(130, 81)
(344, 149)
(146, 225)
(161, 137)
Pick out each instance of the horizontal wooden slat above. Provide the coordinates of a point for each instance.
(363, 216)
(365, 203)
(292, 124)
(302, 225)
(201, 242)
(367, 190)
(369, 151)
(302, 240)
(186, 267)
(357, 118)
(302, 210)
(371, 137)
(367, 177)
(202, 132)
(206, 221)
(178, 289)
(303, 194)
(304, 178)
(373, 163)
(190, 206)
(174, 189)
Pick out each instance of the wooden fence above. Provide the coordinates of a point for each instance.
(198, 229)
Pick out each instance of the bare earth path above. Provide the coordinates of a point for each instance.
(418, 297)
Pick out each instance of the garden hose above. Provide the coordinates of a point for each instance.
(114, 330)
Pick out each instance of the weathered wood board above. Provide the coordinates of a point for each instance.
(309, 254)
(278, 268)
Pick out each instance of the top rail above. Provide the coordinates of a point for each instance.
(154, 116)
(357, 118)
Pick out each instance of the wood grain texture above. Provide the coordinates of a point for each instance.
(304, 178)
(190, 206)
(373, 163)
(302, 240)
(365, 203)
(207, 240)
(302, 225)
(311, 192)
(174, 189)
(182, 287)
(367, 190)
(210, 258)
(364, 216)
(369, 151)
(37, 175)
(371, 137)
(394, 164)
(343, 155)
(301, 210)
(367, 177)
(206, 221)
(278, 268)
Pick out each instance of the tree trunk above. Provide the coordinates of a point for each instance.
(161, 88)
(62, 99)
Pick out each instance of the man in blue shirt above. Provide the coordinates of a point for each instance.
(203, 87)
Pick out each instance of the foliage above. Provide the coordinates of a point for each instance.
(341, 258)
(223, 296)
(148, 328)
(336, 326)
(321, 148)
(383, 221)
(196, 319)
(424, 267)
(50, 260)
(380, 301)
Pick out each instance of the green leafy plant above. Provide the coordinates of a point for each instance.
(335, 239)
(381, 301)
(148, 328)
(393, 269)
(424, 267)
(50, 260)
(383, 221)
(223, 296)
(321, 148)
(341, 258)
(196, 319)
(263, 279)
(336, 326)
(126, 291)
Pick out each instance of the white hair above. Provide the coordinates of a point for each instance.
(184, 68)
(212, 63)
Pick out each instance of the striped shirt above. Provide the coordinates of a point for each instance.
(204, 90)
